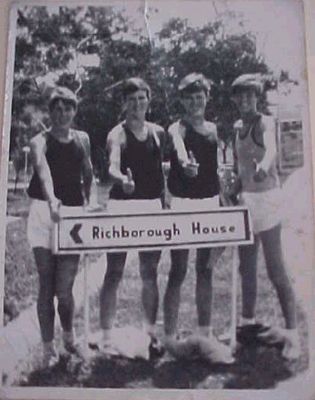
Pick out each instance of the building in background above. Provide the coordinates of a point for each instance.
(286, 106)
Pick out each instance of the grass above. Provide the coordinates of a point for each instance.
(256, 366)
(20, 283)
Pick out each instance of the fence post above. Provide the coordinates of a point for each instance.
(86, 304)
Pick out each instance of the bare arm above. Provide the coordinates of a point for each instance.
(214, 136)
(40, 165)
(38, 157)
(114, 145)
(178, 143)
(87, 169)
(269, 132)
(186, 159)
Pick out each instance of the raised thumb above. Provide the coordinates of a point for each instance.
(129, 175)
(191, 157)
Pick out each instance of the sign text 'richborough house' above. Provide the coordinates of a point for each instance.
(99, 232)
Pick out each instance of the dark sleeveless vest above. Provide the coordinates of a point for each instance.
(144, 158)
(65, 163)
(206, 183)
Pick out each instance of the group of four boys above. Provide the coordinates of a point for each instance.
(136, 148)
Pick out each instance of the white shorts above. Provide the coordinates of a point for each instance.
(40, 227)
(185, 204)
(264, 208)
(133, 206)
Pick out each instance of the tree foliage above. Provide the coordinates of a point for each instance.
(50, 42)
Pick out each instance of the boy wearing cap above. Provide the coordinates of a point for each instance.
(255, 147)
(135, 166)
(61, 158)
(193, 182)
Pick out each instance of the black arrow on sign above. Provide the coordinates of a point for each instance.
(74, 233)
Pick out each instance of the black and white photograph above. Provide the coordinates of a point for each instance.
(157, 201)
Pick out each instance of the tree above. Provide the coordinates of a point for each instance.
(219, 56)
(48, 46)
(50, 43)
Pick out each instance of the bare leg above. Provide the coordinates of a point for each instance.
(179, 259)
(271, 241)
(66, 270)
(204, 289)
(149, 261)
(45, 302)
(248, 271)
(277, 273)
(108, 297)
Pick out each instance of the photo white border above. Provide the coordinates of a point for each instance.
(288, 390)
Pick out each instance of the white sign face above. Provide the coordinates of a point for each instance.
(111, 232)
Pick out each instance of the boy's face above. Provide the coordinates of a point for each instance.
(245, 100)
(62, 114)
(194, 103)
(137, 104)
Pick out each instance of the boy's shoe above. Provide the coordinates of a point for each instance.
(182, 348)
(292, 347)
(252, 334)
(109, 349)
(106, 346)
(211, 349)
(73, 348)
(50, 356)
(70, 344)
(95, 340)
(199, 347)
(247, 334)
(128, 342)
(286, 339)
(156, 349)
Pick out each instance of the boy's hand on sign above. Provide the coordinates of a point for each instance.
(128, 184)
(191, 167)
(54, 208)
(166, 166)
(260, 174)
(93, 207)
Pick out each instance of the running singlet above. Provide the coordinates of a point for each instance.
(250, 146)
(144, 159)
(206, 183)
(65, 163)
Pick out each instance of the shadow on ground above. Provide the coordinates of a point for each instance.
(257, 367)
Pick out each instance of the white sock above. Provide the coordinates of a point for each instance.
(68, 337)
(170, 337)
(248, 321)
(49, 347)
(107, 335)
(150, 329)
(291, 333)
(205, 331)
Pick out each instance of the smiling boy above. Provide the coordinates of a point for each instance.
(193, 182)
(61, 160)
(135, 166)
(256, 151)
